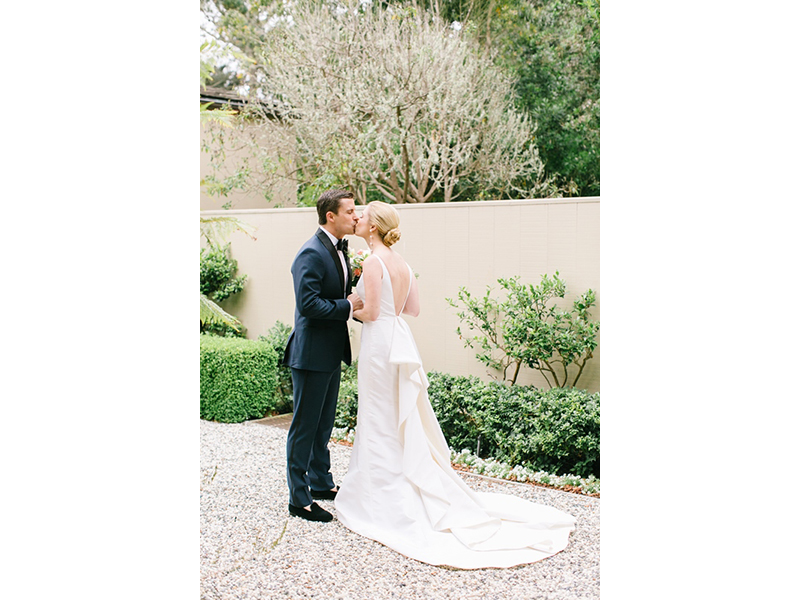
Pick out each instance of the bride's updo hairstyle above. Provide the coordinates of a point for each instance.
(386, 219)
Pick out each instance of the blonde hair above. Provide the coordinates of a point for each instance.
(386, 219)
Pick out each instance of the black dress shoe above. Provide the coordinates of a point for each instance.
(324, 495)
(317, 513)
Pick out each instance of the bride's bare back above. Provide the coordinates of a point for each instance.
(404, 288)
(400, 275)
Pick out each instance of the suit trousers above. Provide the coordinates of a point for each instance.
(308, 462)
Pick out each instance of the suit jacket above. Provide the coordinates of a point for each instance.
(320, 340)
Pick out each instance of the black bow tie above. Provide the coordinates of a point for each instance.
(342, 245)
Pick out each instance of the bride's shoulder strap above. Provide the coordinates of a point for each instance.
(380, 259)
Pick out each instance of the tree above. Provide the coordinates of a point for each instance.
(549, 49)
(239, 23)
(391, 101)
(552, 50)
(526, 329)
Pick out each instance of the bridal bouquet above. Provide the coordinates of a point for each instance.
(356, 260)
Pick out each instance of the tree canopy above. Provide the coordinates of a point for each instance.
(431, 101)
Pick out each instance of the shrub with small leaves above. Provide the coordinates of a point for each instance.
(457, 403)
(555, 430)
(277, 337)
(347, 405)
(237, 379)
(527, 328)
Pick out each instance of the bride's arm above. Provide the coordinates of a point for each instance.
(412, 304)
(371, 274)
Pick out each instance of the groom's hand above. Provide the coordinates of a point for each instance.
(357, 303)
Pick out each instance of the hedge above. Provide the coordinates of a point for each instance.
(347, 404)
(238, 378)
(555, 430)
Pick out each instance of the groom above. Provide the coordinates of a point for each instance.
(316, 348)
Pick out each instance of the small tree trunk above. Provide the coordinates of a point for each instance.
(516, 371)
(553, 373)
(580, 370)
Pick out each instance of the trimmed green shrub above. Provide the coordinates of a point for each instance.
(555, 430)
(238, 378)
(457, 402)
(347, 405)
(277, 337)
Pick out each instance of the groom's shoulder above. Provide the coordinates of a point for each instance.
(312, 247)
(312, 243)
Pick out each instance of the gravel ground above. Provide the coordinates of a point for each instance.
(251, 548)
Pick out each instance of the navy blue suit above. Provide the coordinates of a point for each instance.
(318, 344)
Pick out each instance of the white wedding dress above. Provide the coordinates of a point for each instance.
(400, 488)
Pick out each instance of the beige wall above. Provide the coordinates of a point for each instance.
(284, 192)
(449, 245)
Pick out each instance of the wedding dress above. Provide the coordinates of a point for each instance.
(400, 488)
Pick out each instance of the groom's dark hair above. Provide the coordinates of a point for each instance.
(330, 201)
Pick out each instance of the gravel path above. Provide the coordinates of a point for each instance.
(250, 548)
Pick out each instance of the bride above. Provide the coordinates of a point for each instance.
(400, 488)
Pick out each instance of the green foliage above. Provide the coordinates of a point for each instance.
(218, 279)
(553, 48)
(237, 379)
(216, 229)
(457, 402)
(222, 186)
(528, 328)
(277, 337)
(218, 282)
(312, 184)
(241, 25)
(555, 430)
(212, 315)
(347, 405)
(212, 75)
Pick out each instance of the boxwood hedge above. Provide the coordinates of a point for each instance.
(555, 430)
(238, 378)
